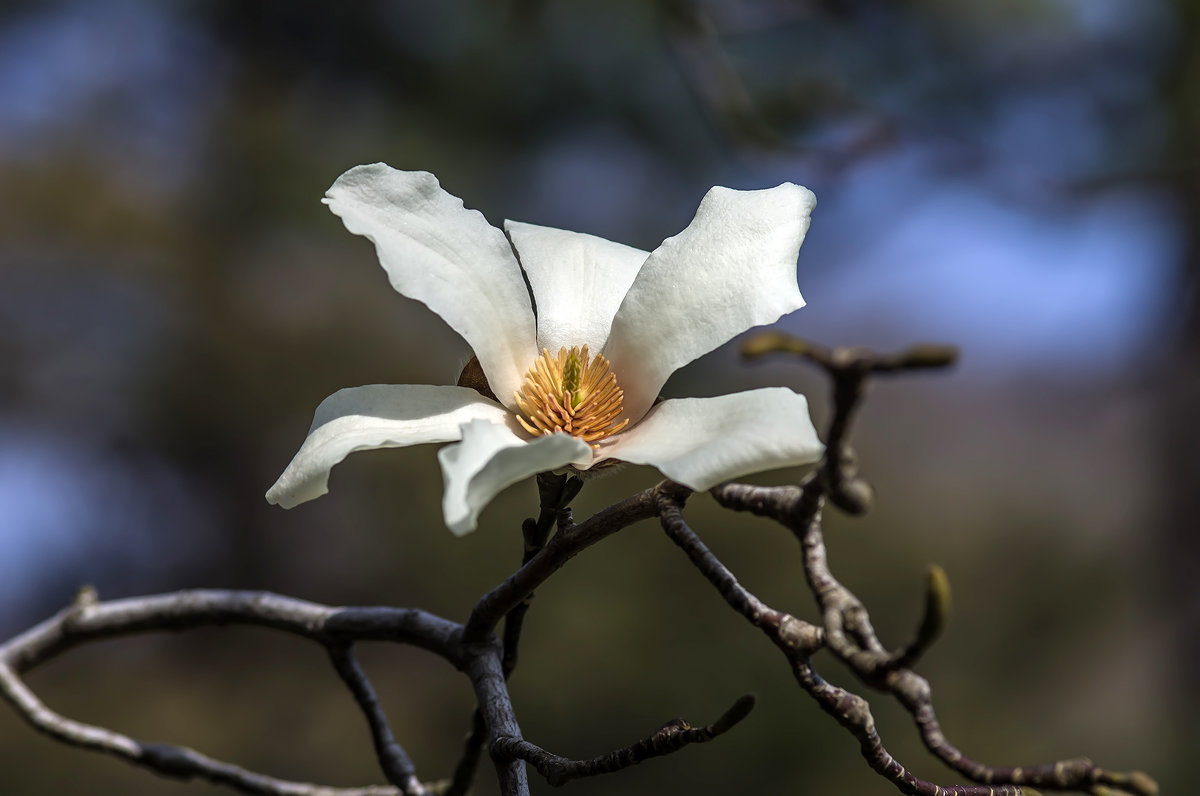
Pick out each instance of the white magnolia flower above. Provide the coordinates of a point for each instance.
(577, 368)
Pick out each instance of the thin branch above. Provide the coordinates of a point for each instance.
(848, 631)
(494, 605)
(395, 762)
(849, 635)
(799, 640)
(486, 672)
(554, 493)
(468, 762)
(854, 713)
(1079, 774)
(89, 620)
(923, 356)
(784, 504)
(848, 369)
(73, 626)
(671, 737)
(182, 763)
(846, 621)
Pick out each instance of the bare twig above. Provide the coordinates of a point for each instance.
(491, 693)
(494, 605)
(845, 621)
(671, 737)
(848, 369)
(468, 763)
(89, 620)
(394, 761)
(480, 655)
(555, 492)
(799, 640)
(843, 359)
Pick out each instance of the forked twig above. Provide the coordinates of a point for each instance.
(395, 762)
(671, 737)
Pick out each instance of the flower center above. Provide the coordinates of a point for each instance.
(571, 392)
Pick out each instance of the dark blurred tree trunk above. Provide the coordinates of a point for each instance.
(1178, 398)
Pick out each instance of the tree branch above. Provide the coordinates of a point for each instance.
(671, 737)
(395, 762)
(846, 624)
(799, 640)
(89, 620)
(468, 762)
(491, 693)
(554, 493)
(848, 369)
(494, 605)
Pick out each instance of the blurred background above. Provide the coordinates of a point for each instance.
(1017, 177)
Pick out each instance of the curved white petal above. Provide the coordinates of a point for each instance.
(490, 458)
(701, 442)
(578, 282)
(377, 416)
(734, 267)
(448, 257)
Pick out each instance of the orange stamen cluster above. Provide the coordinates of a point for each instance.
(571, 392)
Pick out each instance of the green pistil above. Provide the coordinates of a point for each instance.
(570, 378)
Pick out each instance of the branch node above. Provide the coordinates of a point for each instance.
(393, 760)
(672, 492)
(566, 520)
(852, 495)
(670, 737)
(85, 597)
(555, 493)
(801, 638)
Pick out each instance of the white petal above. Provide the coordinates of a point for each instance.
(377, 416)
(436, 251)
(578, 282)
(734, 267)
(701, 442)
(490, 458)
